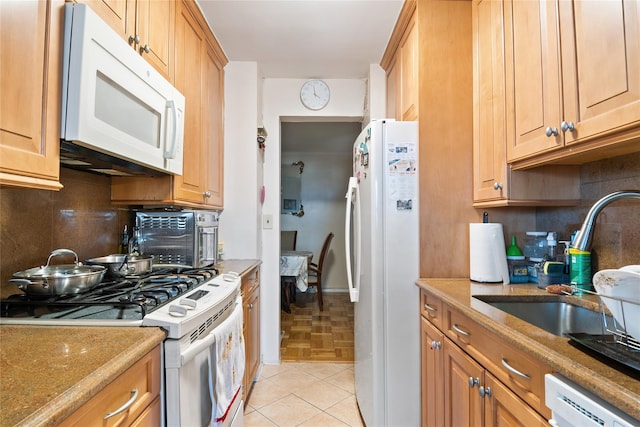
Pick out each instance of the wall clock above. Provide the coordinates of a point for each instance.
(315, 94)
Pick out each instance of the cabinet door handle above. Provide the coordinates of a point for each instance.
(461, 331)
(549, 131)
(430, 309)
(497, 186)
(484, 391)
(567, 126)
(207, 194)
(145, 49)
(134, 39)
(474, 382)
(513, 370)
(436, 345)
(127, 404)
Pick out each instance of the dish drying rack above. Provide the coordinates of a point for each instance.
(614, 342)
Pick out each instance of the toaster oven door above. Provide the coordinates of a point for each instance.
(207, 248)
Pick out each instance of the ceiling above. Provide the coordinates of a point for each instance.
(304, 38)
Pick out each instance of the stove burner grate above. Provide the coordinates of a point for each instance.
(132, 297)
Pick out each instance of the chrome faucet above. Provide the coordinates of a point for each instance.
(583, 239)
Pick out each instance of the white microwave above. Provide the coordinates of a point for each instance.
(115, 106)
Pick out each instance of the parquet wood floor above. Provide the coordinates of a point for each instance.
(314, 335)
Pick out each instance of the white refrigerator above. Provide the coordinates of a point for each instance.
(382, 247)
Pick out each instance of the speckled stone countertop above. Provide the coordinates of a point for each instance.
(619, 389)
(240, 266)
(47, 372)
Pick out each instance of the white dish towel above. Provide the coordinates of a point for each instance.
(226, 365)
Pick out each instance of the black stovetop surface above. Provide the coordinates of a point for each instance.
(131, 297)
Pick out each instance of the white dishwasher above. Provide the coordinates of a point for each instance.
(574, 406)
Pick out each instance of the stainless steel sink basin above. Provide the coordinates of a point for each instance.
(553, 315)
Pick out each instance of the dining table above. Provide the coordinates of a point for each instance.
(294, 267)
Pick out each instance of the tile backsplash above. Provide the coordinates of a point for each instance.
(616, 240)
(79, 217)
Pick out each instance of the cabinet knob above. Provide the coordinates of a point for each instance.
(207, 194)
(436, 345)
(134, 39)
(145, 49)
(474, 382)
(250, 306)
(484, 391)
(497, 186)
(551, 131)
(567, 126)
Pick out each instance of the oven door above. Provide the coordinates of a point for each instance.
(188, 395)
(113, 101)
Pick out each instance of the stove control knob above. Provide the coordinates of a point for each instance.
(189, 303)
(177, 310)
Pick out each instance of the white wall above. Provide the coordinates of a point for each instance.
(240, 221)
(281, 99)
(246, 169)
(324, 184)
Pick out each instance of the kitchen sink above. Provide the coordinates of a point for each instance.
(553, 315)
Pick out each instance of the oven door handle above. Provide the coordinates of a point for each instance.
(198, 347)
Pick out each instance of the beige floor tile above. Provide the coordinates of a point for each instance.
(289, 411)
(293, 381)
(266, 392)
(343, 379)
(347, 412)
(323, 420)
(322, 394)
(270, 370)
(322, 370)
(256, 419)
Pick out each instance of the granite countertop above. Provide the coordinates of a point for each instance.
(47, 372)
(240, 266)
(612, 385)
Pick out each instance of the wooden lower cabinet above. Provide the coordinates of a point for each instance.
(251, 328)
(141, 379)
(432, 368)
(460, 389)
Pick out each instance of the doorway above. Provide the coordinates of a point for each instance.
(318, 154)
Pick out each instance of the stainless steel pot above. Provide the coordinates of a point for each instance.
(64, 279)
(124, 265)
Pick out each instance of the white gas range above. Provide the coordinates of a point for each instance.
(195, 306)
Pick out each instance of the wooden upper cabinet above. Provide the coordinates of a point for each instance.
(393, 90)
(199, 76)
(409, 81)
(601, 66)
(573, 78)
(494, 182)
(489, 122)
(147, 25)
(400, 61)
(31, 38)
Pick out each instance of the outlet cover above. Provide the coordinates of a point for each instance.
(267, 221)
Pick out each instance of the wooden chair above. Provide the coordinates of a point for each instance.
(315, 270)
(288, 240)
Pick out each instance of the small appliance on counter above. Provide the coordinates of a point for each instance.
(487, 255)
(188, 237)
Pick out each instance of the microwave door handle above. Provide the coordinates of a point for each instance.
(174, 139)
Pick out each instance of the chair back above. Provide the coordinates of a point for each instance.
(325, 249)
(288, 240)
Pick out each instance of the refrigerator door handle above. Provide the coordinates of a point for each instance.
(353, 280)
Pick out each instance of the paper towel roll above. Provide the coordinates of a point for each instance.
(487, 256)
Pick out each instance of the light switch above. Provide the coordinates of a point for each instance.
(267, 221)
